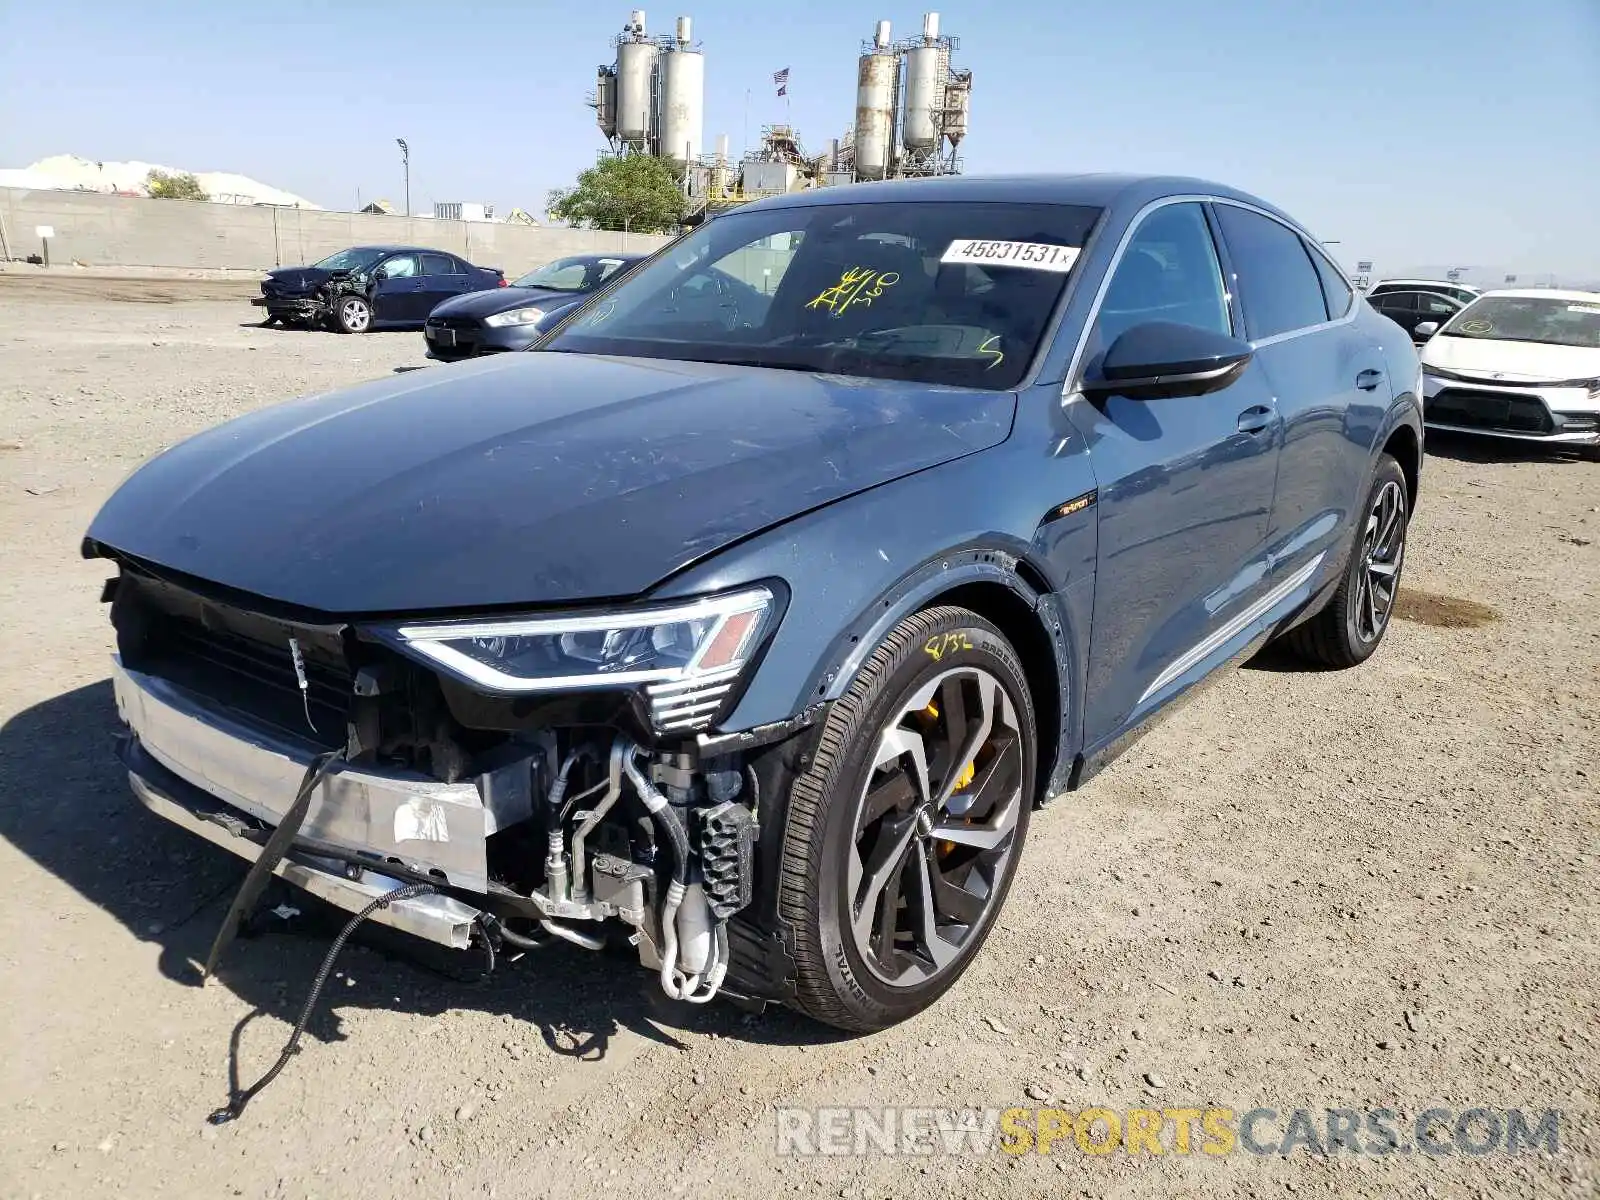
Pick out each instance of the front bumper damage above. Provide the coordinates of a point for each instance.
(230, 782)
(225, 775)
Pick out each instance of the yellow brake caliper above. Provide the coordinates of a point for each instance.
(971, 769)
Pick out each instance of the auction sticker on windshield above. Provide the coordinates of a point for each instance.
(1035, 256)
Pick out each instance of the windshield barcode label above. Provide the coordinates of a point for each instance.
(1035, 256)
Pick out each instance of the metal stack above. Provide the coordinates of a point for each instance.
(912, 108)
(651, 100)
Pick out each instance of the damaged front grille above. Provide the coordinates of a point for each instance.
(358, 697)
(233, 664)
(236, 657)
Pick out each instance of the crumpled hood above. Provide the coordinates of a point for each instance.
(525, 479)
(301, 279)
(1521, 362)
(503, 299)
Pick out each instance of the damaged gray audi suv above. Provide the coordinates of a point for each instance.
(751, 634)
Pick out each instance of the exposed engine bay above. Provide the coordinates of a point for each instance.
(313, 299)
(570, 816)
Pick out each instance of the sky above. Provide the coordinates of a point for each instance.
(1413, 133)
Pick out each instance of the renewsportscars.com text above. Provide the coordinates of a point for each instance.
(1435, 1132)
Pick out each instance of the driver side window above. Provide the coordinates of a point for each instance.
(401, 266)
(1169, 272)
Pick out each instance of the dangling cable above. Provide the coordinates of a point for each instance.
(271, 855)
(236, 1105)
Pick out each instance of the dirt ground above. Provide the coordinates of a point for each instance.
(1363, 889)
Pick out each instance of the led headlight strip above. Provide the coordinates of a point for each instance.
(698, 640)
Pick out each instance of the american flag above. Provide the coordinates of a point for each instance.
(781, 78)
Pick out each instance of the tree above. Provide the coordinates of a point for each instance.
(634, 192)
(178, 186)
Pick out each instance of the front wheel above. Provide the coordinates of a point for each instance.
(903, 834)
(352, 314)
(1348, 630)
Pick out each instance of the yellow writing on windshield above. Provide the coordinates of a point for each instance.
(991, 349)
(858, 285)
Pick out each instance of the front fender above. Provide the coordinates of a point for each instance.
(857, 567)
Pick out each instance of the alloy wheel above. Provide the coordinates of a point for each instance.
(935, 826)
(356, 315)
(1383, 546)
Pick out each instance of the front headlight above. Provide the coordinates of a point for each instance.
(688, 656)
(517, 316)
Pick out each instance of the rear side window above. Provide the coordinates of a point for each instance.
(1277, 281)
(1396, 302)
(1336, 290)
(441, 264)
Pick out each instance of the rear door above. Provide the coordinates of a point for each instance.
(397, 297)
(1329, 380)
(1185, 485)
(443, 276)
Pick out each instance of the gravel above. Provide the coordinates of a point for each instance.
(1444, 793)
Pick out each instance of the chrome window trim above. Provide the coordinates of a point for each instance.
(1069, 387)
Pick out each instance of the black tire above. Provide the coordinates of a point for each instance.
(1342, 633)
(352, 314)
(834, 982)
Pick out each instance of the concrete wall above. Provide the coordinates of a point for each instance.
(130, 231)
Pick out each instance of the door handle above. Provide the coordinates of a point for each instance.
(1255, 419)
(1369, 380)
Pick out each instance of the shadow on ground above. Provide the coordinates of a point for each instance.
(1468, 449)
(65, 803)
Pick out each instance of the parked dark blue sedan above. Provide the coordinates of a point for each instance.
(760, 633)
(371, 287)
(512, 318)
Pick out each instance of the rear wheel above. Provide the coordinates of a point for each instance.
(1349, 628)
(902, 836)
(352, 314)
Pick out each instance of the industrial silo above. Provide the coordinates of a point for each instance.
(636, 65)
(925, 72)
(877, 79)
(605, 101)
(683, 90)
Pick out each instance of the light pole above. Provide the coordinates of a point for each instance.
(405, 159)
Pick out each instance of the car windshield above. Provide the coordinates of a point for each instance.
(581, 274)
(929, 292)
(1550, 320)
(356, 259)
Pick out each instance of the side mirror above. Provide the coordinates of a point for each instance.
(1425, 330)
(1162, 358)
